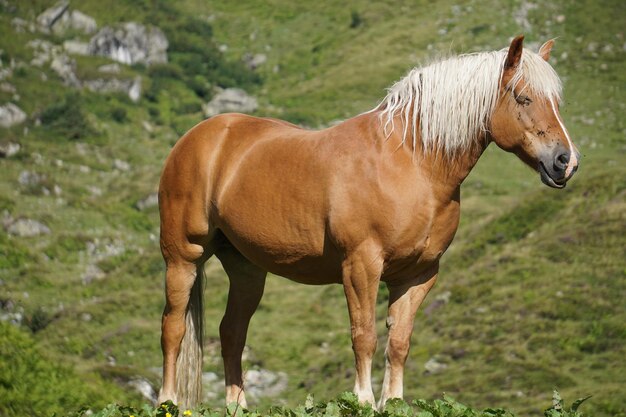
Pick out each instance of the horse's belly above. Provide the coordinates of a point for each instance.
(304, 258)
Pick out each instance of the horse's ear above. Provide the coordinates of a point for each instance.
(515, 53)
(545, 49)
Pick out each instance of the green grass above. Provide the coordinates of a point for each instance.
(536, 276)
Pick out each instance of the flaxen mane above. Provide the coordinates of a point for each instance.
(450, 102)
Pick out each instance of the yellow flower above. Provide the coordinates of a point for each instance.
(187, 413)
(168, 415)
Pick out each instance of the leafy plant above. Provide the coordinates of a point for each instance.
(559, 410)
(346, 405)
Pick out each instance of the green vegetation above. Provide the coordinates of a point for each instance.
(534, 282)
(346, 405)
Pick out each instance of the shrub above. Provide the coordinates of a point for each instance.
(68, 118)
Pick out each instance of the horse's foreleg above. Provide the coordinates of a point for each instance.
(179, 279)
(361, 275)
(404, 300)
(247, 282)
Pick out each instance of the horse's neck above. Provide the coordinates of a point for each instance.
(449, 171)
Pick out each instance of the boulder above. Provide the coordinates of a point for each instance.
(434, 365)
(92, 273)
(30, 179)
(9, 149)
(130, 87)
(130, 43)
(151, 200)
(253, 61)
(76, 47)
(109, 69)
(230, 100)
(27, 228)
(121, 165)
(11, 115)
(65, 67)
(144, 388)
(263, 383)
(75, 20)
(60, 62)
(59, 18)
(50, 16)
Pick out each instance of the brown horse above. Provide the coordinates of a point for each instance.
(374, 198)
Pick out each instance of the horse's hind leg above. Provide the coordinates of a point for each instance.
(247, 282)
(180, 278)
(404, 300)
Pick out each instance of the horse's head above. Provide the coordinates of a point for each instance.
(526, 118)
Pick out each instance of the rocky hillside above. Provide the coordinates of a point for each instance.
(92, 96)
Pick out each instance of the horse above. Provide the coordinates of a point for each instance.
(374, 198)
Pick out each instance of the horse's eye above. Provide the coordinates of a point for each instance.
(523, 100)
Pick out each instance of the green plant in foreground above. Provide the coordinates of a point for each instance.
(346, 405)
(558, 410)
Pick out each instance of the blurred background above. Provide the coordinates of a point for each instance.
(94, 93)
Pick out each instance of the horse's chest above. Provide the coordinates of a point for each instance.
(425, 246)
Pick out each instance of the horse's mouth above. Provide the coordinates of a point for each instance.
(548, 180)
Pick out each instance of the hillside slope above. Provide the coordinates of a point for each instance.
(531, 292)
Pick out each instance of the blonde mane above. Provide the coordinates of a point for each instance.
(446, 106)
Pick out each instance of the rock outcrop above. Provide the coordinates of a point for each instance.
(59, 18)
(27, 228)
(132, 88)
(230, 100)
(130, 43)
(9, 149)
(11, 115)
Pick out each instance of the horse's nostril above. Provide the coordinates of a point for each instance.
(561, 161)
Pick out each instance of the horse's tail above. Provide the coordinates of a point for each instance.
(189, 363)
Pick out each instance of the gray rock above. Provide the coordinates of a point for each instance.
(121, 165)
(63, 65)
(30, 178)
(76, 47)
(66, 68)
(134, 93)
(521, 14)
(151, 200)
(130, 43)
(8, 88)
(27, 228)
(98, 250)
(9, 149)
(230, 100)
(109, 69)
(50, 16)
(92, 273)
(42, 51)
(434, 366)
(130, 87)
(263, 383)
(59, 18)
(21, 25)
(253, 61)
(144, 388)
(212, 385)
(75, 20)
(11, 115)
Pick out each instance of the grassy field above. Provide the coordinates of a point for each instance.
(535, 278)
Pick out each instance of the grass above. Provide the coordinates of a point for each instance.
(536, 276)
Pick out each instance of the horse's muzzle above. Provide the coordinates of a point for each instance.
(554, 169)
